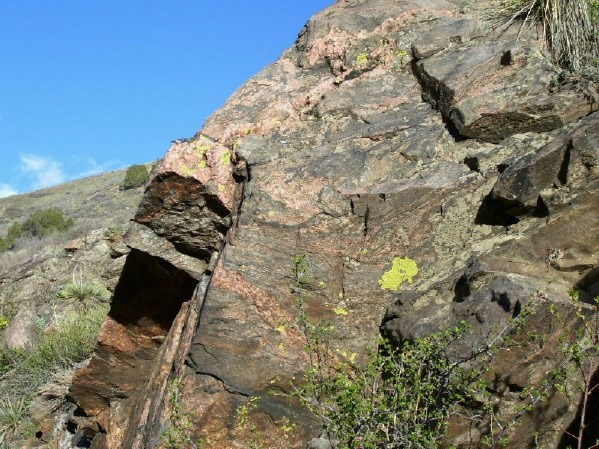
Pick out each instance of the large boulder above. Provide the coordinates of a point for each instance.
(22, 332)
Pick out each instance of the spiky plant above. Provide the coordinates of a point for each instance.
(569, 26)
(13, 411)
(83, 292)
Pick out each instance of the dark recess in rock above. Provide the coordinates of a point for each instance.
(541, 210)
(150, 290)
(492, 212)
(562, 176)
(461, 289)
(472, 162)
(589, 286)
(146, 300)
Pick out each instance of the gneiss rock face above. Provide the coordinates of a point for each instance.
(175, 242)
(335, 151)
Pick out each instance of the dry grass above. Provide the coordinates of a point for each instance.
(96, 197)
(95, 202)
(569, 26)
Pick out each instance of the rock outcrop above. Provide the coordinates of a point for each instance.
(390, 129)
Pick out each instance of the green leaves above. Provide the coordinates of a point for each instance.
(402, 397)
(178, 434)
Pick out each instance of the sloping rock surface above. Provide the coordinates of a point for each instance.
(363, 142)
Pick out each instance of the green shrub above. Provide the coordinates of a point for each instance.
(40, 224)
(137, 175)
(73, 340)
(45, 222)
(8, 241)
(400, 396)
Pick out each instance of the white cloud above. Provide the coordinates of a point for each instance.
(44, 172)
(6, 190)
(96, 168)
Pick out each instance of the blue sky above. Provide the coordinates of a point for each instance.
(91, 86)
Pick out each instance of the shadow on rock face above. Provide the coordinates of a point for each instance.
(589, 285)
(150, 292)
(492, 212)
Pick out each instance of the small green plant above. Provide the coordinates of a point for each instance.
(178, 433)
(84, 292)
(9, 304)
(243, 423)
(3, 322)
(13, 411)
(136, 176)
(114, 233)
(580, 346)
(300, 270)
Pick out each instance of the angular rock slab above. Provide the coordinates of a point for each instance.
(493, 89)
(569, 160)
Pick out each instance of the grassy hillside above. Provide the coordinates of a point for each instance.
(94, 202)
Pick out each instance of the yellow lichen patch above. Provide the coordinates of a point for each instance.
(225, 158)
(221, 188)
(187, 171)
(402, 270)
(276, 121)
(349, 356)
(202, 149)
(340, 311)
(202, 164)
(362, 58)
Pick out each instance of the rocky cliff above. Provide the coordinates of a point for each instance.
(390, 129)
